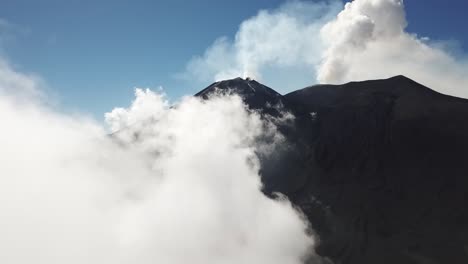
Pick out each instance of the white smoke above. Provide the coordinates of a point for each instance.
(181, 186)
(300, 43)
(367, 40)
(280, 46)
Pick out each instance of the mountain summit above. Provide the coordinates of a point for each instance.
(256, 95)
(378, 167)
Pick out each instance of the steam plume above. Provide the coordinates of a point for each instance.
(280, 46)
(367, 40)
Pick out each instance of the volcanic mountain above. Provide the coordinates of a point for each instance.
(379, 168)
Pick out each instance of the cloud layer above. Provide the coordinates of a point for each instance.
(302, 43)
(175, 185)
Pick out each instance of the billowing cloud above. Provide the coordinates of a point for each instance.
(367, 40)
(301, 43)
(175, 185)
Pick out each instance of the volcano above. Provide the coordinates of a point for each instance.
(379, 168)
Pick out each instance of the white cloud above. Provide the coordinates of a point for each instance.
(186, 190)
(142, 108)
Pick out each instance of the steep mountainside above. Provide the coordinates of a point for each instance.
(380, 168)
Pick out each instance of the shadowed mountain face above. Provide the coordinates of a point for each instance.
(256, 95)
(380, 168)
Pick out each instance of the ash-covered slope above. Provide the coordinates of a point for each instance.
(380, 168)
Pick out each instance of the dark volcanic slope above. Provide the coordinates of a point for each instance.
(380, 168)
(256, 95)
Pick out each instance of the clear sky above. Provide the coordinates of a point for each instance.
(93, 53)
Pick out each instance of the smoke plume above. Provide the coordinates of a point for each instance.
(279, 47)
(368, 40)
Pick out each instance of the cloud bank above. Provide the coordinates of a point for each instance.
(302, 43)
(175, 185)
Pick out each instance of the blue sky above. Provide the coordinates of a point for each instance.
(93, 53)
